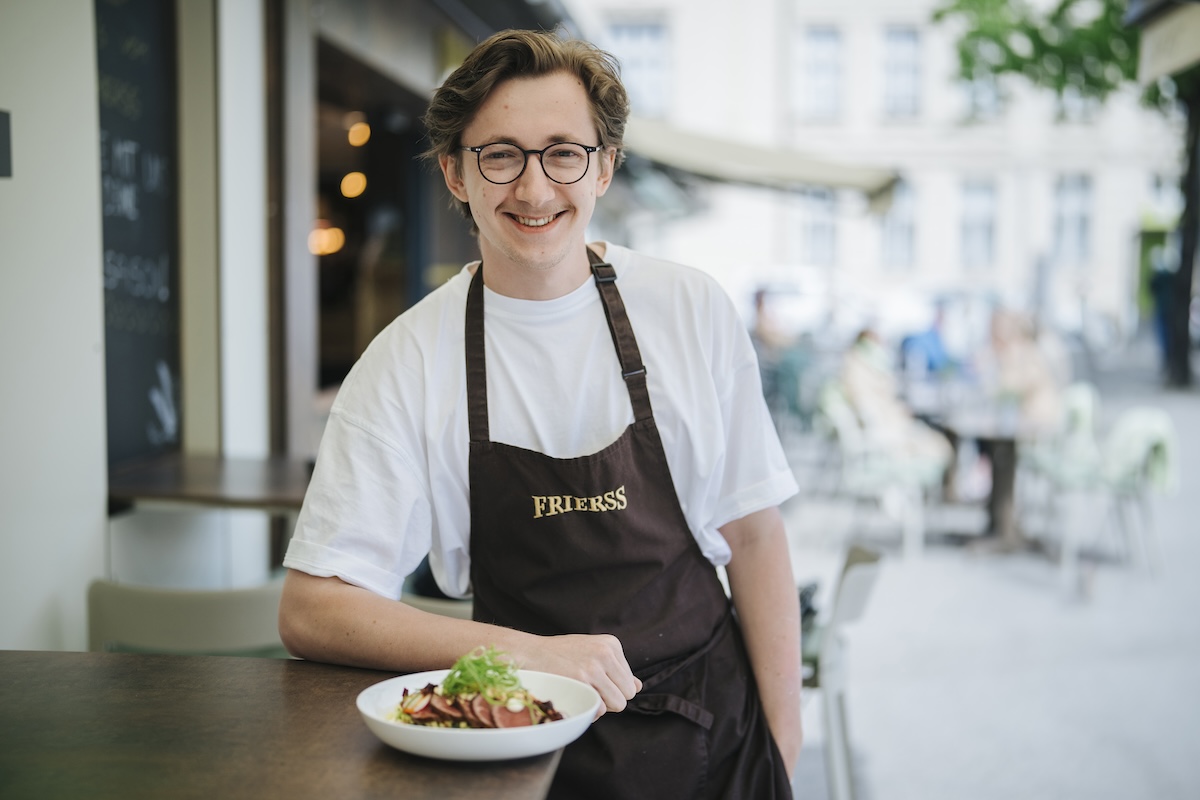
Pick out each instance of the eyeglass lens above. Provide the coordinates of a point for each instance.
(563, 162)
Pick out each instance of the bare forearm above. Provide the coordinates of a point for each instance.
(324, 619)
(764, 593)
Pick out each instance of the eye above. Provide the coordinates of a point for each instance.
(564, 153)
(499, 155)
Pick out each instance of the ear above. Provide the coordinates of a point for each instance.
(452, 172)
(608, 158)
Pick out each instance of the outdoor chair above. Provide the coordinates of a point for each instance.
(872, 473)
(824, 662)
(1136, 458)
(1066, 459)
(242, 622)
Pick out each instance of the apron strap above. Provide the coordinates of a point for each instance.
(660, 703)
(632, 368)
(477, 407)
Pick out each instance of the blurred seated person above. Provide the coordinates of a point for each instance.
(1023, 371)
(924, 354)
(869, 380)
(782, 359)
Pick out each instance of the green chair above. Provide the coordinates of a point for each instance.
(141, 619)
(872, 474)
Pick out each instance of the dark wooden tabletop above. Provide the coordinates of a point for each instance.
(112, 725)
(264, 483)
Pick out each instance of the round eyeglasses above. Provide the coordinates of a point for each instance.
(563, 162)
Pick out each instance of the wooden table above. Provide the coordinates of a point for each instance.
(111, 725)
(270, 484)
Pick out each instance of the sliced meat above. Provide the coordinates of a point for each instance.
(426, 714)
(468, 709)
(511, 719)
(445, 708)
(482, 709)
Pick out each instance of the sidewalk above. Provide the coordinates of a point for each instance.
(976, 677)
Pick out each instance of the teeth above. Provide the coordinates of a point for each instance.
(535, 223)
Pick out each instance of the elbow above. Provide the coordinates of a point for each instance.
(297, 625)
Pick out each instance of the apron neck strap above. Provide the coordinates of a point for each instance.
(630, 357)
(632, 368)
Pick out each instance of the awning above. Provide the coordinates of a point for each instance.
(739, 162)
(1170, 43)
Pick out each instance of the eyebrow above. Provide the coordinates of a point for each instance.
(552, 139)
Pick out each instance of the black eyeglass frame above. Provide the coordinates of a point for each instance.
(589, 149)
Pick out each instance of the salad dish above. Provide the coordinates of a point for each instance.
(482, 709)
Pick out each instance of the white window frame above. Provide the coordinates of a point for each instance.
(902, 72)
(817, 92)
(814, 211)
(643, 47)
(898, 243)
(1073, 199)
(978, 244)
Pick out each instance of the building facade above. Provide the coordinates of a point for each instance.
(1006, 192)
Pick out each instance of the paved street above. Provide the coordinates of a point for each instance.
(978, 676)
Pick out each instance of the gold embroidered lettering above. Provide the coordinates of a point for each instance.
(555, 504)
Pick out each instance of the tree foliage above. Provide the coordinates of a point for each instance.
(1076, 46)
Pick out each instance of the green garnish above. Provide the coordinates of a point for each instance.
(485, 671)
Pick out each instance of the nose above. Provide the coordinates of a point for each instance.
(534, 186)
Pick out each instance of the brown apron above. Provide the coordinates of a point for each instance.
(599, 544)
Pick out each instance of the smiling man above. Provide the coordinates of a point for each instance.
(576, 435)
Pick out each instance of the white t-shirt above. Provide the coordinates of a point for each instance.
(391, 484)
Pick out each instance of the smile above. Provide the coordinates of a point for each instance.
(535, 222)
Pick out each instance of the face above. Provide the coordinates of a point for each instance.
(533, 225)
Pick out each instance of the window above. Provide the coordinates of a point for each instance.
(983, 98)
(1073, 106)
(1072, 220)
(644, 50)
(816, 225)
(901, 73)
(899, 229)
(1166, 198)
(818, 88)
(982, 90)
(978, 224)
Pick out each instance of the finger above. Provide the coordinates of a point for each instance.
(614, 699)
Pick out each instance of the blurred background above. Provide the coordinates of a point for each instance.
(209, 208)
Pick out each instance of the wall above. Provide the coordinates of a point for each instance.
(52, 416)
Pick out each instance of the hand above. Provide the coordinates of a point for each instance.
(597, 660)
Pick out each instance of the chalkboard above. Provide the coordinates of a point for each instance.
(135, 49)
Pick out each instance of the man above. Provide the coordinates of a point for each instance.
(579, 481)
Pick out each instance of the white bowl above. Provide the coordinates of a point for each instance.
(576, 701)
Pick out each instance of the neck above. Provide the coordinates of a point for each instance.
(533, 281)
